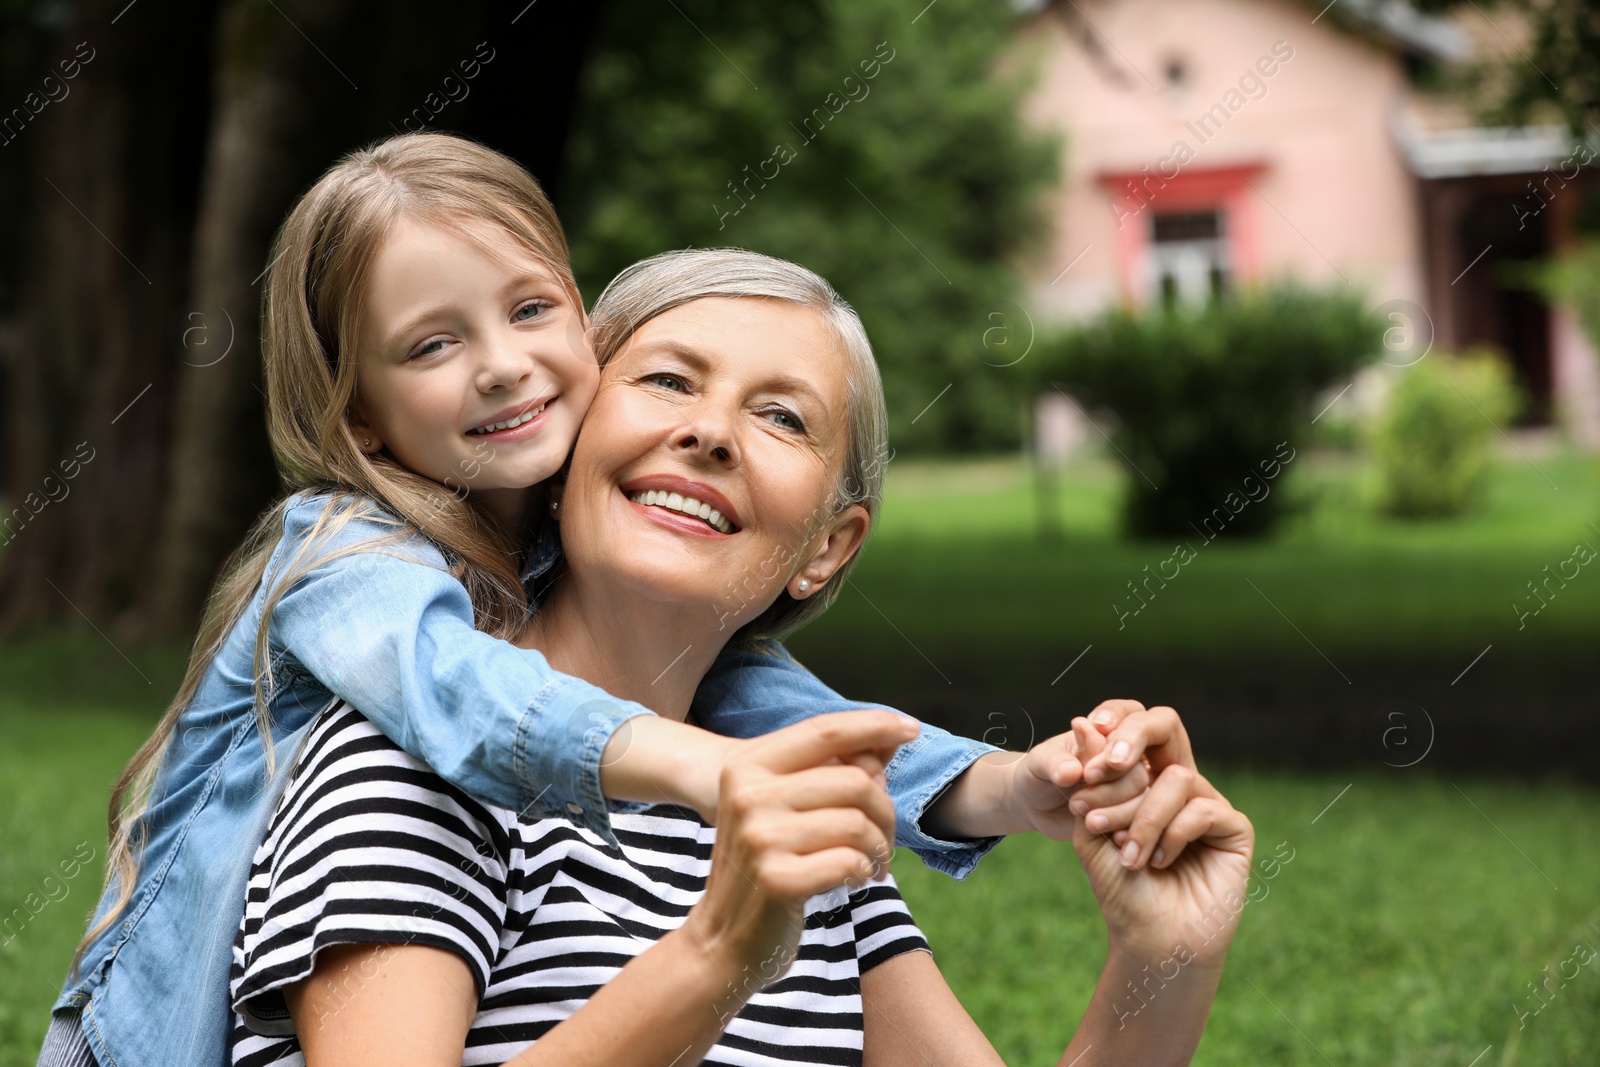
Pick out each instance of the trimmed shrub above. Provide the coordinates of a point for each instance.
(1433, 440)
(1207, 397)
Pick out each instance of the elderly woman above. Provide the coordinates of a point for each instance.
(391, 917)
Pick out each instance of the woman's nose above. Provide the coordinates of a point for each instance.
(709, 431)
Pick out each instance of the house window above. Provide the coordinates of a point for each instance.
(1189, 258)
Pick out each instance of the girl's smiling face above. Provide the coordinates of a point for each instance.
(474, 366)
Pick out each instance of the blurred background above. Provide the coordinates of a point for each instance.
(1240, 356)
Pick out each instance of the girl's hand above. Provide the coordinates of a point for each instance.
(793, 821)
(1047, 790)
(1169, 867)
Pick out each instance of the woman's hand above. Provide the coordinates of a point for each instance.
(794, 818)
(1169, 866)
(662, 761)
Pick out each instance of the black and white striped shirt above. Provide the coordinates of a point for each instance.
(370, 846)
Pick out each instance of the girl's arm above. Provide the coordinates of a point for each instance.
(753, 691)
(1013, 792)
(954, 797)
(390, 631)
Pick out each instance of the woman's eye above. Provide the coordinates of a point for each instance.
(787, 419)
(529, 311)
(669, 381)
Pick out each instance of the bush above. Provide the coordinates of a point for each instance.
(1432, 441)
(1574, 280)
(1208, 397)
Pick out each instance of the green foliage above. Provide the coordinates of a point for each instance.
(1207, 397)
(1554, 69)
(1432, 442)
(1574, 280)
(886, 155)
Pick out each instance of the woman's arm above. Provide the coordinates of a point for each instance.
(913, 1018)
(407, 1004)
(793, 821)
(1170, 920)
(411, 1004)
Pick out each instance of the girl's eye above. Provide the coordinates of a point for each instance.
(531, 310)
(428, 348)
(787, 419)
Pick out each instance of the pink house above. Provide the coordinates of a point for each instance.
(1210, 143)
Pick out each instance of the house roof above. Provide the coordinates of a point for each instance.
(1396, 22)
(1476, 150)
(1408, 29)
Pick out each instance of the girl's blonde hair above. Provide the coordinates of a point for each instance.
(656, 285)
(316, 276)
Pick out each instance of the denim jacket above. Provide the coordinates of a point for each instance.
(389, 630)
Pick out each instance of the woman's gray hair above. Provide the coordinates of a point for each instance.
(672, 279)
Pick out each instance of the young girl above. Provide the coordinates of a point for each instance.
(427, 366)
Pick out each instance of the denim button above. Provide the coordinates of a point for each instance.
(574, 808)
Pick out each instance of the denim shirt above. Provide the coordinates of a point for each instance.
(388, 629)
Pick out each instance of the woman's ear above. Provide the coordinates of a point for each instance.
(843, 539)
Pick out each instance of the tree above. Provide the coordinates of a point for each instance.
(1555, 66)
(881, 150)
(135, 450)
(107, 170)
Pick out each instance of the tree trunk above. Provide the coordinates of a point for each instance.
(219, 467)
(156, 188)
(89, 383)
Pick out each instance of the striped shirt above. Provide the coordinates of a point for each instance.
(370, 846)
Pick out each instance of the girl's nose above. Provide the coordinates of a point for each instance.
(502, 367)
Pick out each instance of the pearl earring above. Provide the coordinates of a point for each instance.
(366, 442)
(555, 506)
(804, 585)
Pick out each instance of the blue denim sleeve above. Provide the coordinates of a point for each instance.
(749, 692)
(387, 628)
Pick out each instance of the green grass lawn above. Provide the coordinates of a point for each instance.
(71, 713)
(957, 556)
(1404, 931)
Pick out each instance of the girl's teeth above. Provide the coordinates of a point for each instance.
(527, 416)
(687, 505)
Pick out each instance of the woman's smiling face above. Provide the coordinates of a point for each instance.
(739, 404)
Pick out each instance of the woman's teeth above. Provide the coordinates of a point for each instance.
(526, 416)
(688, 505)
